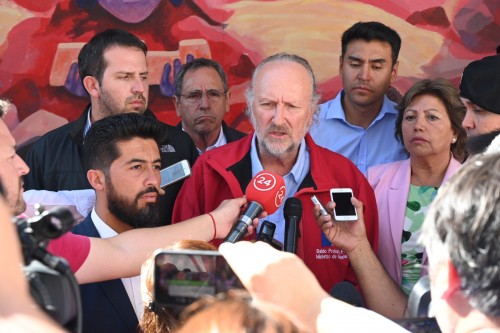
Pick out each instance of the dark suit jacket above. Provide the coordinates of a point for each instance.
(230, 133)
(106, 306)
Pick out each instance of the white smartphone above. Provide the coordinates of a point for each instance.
(344, 210)
(316, 201)
(174, 173)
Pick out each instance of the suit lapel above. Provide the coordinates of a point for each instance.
(116, 294)
(398, 197)
(113, 290)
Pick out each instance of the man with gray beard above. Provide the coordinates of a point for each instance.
(123, 161)
(282, 102)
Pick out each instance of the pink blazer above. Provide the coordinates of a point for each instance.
(391, 183)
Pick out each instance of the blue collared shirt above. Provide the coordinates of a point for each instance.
(364, 147)
(292, 182)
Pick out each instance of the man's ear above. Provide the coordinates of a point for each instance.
(91, 85)
(97, 179)
(453, 281)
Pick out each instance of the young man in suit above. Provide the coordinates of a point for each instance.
(123, 161)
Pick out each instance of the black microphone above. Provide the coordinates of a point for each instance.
(293, 214)
(346, 292)
(264, 192)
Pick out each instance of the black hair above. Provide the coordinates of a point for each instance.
(370, 31)
(100, 147)
(479, 143)
(448, 94)
(91, 57)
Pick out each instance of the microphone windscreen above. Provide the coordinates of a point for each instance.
(293, 207)
(346, 292)
(268, 189)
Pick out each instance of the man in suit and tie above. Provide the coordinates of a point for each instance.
(123, 163)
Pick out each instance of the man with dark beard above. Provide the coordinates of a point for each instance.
(113, 69)
(123, 161)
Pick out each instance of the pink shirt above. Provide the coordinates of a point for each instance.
(74, 248)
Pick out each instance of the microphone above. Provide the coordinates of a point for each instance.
(346, 292)
(293, 214)
(265, 191)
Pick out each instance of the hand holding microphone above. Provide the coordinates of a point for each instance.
(265, 192)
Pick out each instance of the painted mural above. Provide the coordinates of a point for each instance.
(40, 41)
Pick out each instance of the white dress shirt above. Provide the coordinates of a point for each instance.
(132, 285)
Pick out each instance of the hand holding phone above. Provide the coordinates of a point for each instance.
(344, 209)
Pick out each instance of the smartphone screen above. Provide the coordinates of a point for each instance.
(344, 210)
(174, 173)
(183, 276)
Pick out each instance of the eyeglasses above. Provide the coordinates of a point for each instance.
(194, 97)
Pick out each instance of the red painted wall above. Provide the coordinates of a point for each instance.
(39, 41)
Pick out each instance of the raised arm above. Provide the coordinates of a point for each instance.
(266, 273)
(380, 292)
(122, 255)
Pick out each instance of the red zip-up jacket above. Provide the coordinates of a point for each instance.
(225, 172)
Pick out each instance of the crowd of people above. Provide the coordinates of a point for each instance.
(424, 172)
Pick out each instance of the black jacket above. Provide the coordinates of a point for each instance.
(105, 305)
(230, 133)
(55, 160)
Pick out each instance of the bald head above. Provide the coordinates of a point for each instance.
(12, 169)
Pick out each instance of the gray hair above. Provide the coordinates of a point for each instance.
(463, 224)
(285, 57)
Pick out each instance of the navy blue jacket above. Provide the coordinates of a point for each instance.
(105, 305)
(230, 133)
